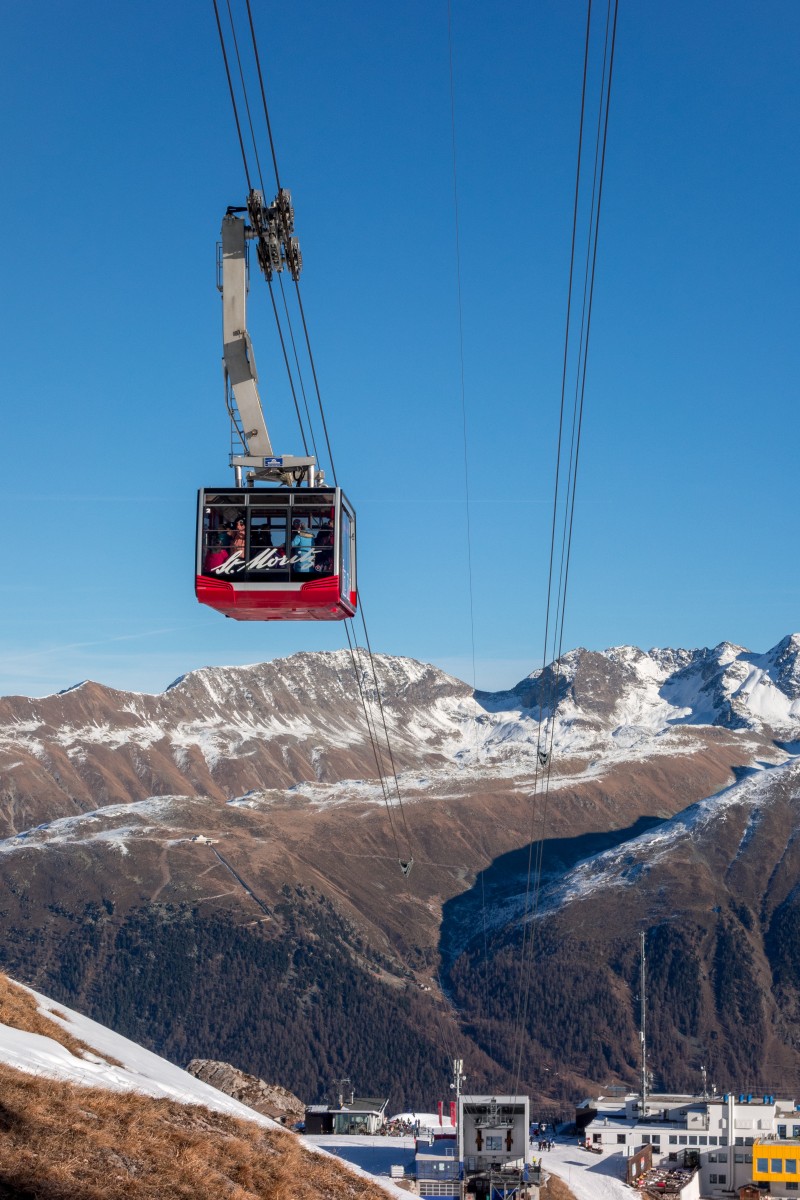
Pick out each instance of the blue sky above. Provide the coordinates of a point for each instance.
(120, 159)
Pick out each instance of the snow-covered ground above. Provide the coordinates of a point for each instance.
(140, 1070)
(376, 1155)
(588, 1176)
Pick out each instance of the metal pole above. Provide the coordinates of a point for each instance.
(643, 1026)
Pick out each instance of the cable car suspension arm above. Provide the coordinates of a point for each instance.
(272, 228)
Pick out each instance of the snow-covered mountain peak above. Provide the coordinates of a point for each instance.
(224, 731)
(726, 686)
(312, 672)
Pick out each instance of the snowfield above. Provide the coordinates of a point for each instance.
(601, 1178)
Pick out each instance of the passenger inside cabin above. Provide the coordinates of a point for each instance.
(215, 541)
(238, 537)
(302, 546)
(323, 546)
(216, 555)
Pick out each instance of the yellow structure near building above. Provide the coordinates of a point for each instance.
(777, 1163)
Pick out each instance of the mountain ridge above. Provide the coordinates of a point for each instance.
(144, 839)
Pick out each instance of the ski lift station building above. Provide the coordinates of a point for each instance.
(363, 1115)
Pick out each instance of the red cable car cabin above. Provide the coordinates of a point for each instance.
(276, 554)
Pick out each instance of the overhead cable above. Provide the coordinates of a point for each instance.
(564, 502)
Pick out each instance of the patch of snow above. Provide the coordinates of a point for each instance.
(75, 828)
(600, 1178)
(624, 864)
(141, 1071)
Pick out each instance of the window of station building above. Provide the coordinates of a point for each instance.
(682, 1139)
(646, 1139)
(673, 1156)
(739, 1141)
(791, 1187)
(620, 1139)
(703, 1140)
(722, 1156)
(712, 1141)
(782, 1132)
(738, 1156)
(796, 1131)
(712, 1179)
(656, 1138)
(597, 1138)
(748, 1141)
(692, 1139)
(723, 1141)
(673, 1139)
(722, 1179)
(712, 1156)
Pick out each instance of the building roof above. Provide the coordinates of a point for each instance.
(365, 1104)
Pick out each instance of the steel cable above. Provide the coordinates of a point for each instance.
(233, 96)
(370, 722)
(244, 96)
(548, 697)
(299, 371)
(521, 1015)
(467, 504)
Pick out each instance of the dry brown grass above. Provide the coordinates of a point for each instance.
(555, 1189)
(18, 1010)
(60, 1142)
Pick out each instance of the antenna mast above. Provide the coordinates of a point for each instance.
(455, 1086)
(643, 1025)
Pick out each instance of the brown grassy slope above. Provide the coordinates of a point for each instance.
(60, 1142)
(555, 1189)
(18, 1010)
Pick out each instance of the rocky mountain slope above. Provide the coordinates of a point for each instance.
(266, 1098)
(293, 897)
(716, 891)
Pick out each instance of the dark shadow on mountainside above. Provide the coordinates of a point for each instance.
(504, 883)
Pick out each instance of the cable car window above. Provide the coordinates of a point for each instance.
(320, 500)
(266, 498)
(223, 499)
(218, 536)
(268, 558)
(347, 564)
(311, 543)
